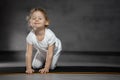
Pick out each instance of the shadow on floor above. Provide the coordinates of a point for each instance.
(63, 69)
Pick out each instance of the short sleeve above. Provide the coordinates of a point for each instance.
(52, 40)
(29, 39)
(51, 37)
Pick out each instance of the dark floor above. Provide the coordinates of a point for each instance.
(63, 69)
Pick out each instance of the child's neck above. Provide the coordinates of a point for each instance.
(40, 31)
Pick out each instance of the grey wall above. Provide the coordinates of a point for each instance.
(82, 25)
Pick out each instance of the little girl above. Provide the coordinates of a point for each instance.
(48, 46)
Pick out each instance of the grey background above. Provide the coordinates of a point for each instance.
(82, 25)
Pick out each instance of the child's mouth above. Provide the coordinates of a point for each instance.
(37, 23)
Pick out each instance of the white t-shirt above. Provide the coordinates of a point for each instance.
(49, 39)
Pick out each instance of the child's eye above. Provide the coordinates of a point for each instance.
(33, 18)
(40, 18)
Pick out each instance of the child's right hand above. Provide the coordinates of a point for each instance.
(29, 71)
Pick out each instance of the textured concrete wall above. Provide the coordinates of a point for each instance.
(82, 25)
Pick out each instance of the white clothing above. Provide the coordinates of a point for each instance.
(42, 46)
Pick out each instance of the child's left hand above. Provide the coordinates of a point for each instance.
(44, 71)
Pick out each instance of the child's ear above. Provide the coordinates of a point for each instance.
(47, 23)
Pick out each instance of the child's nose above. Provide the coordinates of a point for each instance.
(36, 19)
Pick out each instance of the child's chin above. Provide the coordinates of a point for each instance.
(34, 28)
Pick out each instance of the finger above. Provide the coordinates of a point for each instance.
(45, 72)
(42, 71)
(29, 72)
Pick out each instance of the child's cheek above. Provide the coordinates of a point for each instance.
(31, 24)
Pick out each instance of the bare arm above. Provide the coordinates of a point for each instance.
(48, 59)
(29, 58)
(49, 56)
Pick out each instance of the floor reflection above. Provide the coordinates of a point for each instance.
(39, 77)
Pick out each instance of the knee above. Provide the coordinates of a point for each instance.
(37, 64)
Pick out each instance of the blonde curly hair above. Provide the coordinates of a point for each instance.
(41, 10)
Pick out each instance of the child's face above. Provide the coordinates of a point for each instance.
(38, 20)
